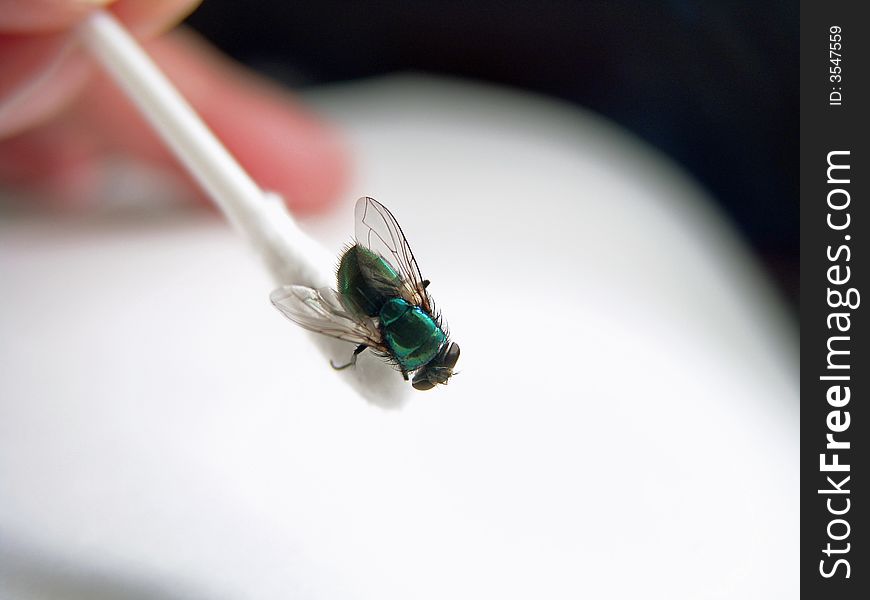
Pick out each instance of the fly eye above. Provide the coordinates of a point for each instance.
(437, 371)
(451, 356)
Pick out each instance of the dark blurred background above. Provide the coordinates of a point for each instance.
(713, 84)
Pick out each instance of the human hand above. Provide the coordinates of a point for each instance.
(61, 119)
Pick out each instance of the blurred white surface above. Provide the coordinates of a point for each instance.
(624, 425)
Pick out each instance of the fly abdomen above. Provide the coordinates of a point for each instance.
(365, 280)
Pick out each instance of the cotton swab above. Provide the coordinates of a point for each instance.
(290, 255)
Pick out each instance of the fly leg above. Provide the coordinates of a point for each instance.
(352, 362)
(405, 374)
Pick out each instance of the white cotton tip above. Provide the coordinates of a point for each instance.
(294, 258)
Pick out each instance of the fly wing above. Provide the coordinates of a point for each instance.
(378, 230)
(321, 311)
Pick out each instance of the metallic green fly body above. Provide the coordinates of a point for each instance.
(380, 302)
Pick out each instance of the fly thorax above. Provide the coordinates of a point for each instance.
(412, 334)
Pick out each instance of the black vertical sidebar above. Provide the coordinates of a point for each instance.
(835, 299)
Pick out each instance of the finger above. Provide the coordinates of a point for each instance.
(283, 146)
(39, 73)
(144, 17)
(41, 16)
(147, 18)
(37, 77)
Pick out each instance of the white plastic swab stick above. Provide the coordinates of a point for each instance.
(290, 255)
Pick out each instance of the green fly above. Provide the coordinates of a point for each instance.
(381, 302)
